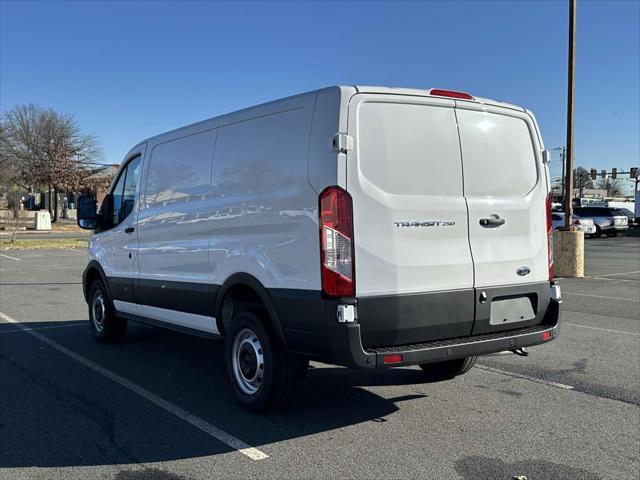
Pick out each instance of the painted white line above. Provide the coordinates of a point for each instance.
(525, 377)
(25, 329)
(614, 279)
(212, 430)
(600, 296)
(616, 274)
(601, 329)
(12, 258)
(79, 269)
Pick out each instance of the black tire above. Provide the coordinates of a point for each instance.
(612, 233)
(105, 326)
(262, 376)
(448, 369)
(598, 233)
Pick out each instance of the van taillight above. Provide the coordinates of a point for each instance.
(549, 238)
(336, 243)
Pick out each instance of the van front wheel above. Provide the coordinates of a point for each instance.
(262, 376)
(106, 326)
(448, 369)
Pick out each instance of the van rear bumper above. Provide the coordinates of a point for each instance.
(346, 344)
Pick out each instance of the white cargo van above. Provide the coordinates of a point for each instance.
(361, 226)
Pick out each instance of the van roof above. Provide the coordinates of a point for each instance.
(352, 88)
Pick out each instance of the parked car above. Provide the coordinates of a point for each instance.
(608, 221)
(358, 226)
(631, 217)
(584, 224)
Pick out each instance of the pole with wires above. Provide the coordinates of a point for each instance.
(568, 243)
(568, 206)
(563, 155)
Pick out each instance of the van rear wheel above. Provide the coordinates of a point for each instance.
(262, 376)
(448, 369)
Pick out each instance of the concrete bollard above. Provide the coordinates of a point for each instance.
(568, 254)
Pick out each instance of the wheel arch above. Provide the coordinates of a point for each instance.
(244, 286)
(93, 272)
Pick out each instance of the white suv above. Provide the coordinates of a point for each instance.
(608, 221)
(361, 226)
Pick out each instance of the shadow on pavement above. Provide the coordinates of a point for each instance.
(55, 411)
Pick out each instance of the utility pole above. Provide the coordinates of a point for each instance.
(563, 155)
(568, 208)
(568, 243)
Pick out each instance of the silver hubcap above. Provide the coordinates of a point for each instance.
(248, 361)
(98, 312)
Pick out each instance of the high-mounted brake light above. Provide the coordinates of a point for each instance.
(549, 238)
(450, 93)
(336, 243)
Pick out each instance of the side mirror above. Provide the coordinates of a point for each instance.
(87, 212)
(546, 156)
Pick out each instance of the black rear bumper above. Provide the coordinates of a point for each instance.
(346, 344)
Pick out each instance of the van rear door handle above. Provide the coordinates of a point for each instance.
(492, 222)
(129, 230)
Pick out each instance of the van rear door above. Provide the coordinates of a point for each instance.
(506, 194)
(414, 272)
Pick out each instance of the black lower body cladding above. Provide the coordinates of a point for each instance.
(404, 319)
(422, 327)
(421, 317)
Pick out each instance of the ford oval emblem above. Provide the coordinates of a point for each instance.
(524, 270)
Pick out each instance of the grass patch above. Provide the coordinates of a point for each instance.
(42, 243)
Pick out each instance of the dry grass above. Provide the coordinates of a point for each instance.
(41, 244)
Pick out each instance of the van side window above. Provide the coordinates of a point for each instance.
(124, 193)
(117, 197)
(179, 170)
(129, 192)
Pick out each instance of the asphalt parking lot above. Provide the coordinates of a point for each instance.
(157, 405)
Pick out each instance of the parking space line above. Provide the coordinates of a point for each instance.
(525, 377)
(601, 329)
(616, 274)
(601, 296)
(41, 328)
(203, 425)
(614, 279)
(12, 258)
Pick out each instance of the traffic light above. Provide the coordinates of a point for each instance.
(633, 172)
(594, 173)
(614, 172)
(603, 173)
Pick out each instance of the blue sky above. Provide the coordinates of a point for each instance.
(129, 70)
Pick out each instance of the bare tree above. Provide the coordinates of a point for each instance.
(42, 148)
(613, 186)
(582, 178)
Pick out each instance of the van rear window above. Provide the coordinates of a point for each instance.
(409, 149)
(498, 154)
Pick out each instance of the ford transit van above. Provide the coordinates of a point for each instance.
(367, 227)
